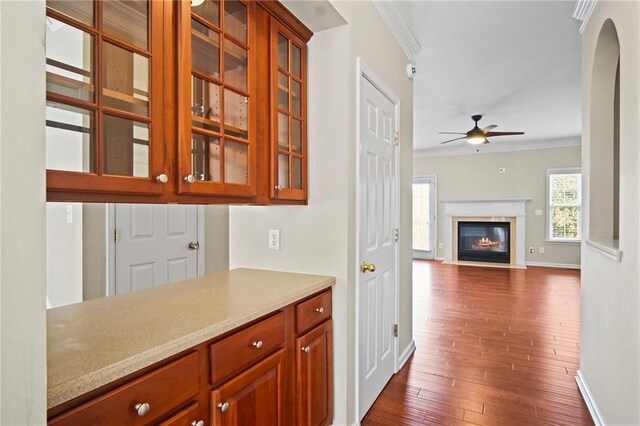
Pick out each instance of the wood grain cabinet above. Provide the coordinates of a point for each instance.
(175, 101)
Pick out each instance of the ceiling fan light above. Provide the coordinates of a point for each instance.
(476, 140)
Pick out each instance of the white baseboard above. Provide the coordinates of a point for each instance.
(596, 415)
(554, 265)
(406, 353)
(439, 257)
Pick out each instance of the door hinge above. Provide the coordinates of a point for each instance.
(116, 235)
(396, 233)
(395, 330)
(396, 138)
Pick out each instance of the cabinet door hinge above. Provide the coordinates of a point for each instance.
(395, 330)
(396, 233)
(116, 235)
(396, 138)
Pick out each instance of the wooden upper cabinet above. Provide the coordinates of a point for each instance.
(288, 69)
(104, 96)
(217, 113)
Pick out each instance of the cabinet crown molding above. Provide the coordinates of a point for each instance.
(582, 12)
(395, 20)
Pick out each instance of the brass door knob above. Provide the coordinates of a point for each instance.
(367, 267)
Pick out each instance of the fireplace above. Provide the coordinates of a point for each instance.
(484, 241)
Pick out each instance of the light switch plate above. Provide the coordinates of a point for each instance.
(274, 239)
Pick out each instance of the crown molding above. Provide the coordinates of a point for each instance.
(395, 20)
(582, 12)
(494, 147)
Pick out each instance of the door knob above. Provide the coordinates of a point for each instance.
(367, 267)
(194, 245)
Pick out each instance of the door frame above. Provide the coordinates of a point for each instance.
(421, 254)
(111, 246)
(365, 72)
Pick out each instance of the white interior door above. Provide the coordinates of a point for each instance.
(377, 245)
(424, 217)
(153, 245)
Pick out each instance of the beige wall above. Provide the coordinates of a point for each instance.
(476, 177)
(320, 237)
(610, 326)
(22, 214)
(216, 239)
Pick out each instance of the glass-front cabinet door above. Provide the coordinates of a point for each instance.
(217, 152)
(289, 114)
(104, 96)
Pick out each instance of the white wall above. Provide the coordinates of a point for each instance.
(525, 177)
(321, 237)
(22, 214)
(610, 326)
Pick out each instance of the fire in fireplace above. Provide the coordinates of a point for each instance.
(484, 241)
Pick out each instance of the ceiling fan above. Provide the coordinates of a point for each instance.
(477, 136)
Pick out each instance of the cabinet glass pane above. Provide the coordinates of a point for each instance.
(81, 10)
(69, 138)
(205, 104)
(235, 65)
(283, 92)
(235, 19)
(205, 50)
(69, 61)
(296, 98)
(205, 155)
(236, 112)
(208, 10)
(296, 172)
(283, 52)
(126, 147)
(296, 61)
(296, 136)
(283, 171)
(283, 132)
(125, 80)
(127, 20)
(236, 163)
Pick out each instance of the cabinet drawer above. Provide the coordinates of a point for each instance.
(234, 353)
(313, 311)
(187, 417)
(163, 389)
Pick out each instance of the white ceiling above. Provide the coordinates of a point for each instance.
(515, 62)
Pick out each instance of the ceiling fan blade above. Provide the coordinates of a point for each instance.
(489, 128)
(503, 133)
(456, 139)
(451, 133)
(486, 141)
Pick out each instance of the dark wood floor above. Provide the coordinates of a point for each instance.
(494, 347)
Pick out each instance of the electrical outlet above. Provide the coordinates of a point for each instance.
(274, 239)
(502, 170)
(440, 245)
(531, 250)
(541, 250)
(538, 212)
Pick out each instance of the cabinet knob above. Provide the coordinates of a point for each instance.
(277, 187)
(189, 179)
(257, 344)
(162, 178)
(142, 409)
(223, 406)
(197, 423)
(320, 310)
(305, 349)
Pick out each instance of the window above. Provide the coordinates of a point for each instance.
(564, 204)
(422, 216)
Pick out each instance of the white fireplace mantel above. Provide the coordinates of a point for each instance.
(490, 210)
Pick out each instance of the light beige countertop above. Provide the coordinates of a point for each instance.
(93, 343)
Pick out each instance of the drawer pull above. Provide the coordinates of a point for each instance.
(224, 407)
(142, 409)
(197, 423)
(257, 344)
(320, 310)
(305, 349)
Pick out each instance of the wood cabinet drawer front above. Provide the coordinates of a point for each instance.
(163, 389)
(313, 311)
(190, 416)
(232, 354)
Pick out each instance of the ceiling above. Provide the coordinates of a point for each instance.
(515, 62)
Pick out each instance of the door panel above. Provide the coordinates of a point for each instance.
(377, 245)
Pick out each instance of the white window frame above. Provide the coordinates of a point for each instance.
(563, 171)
